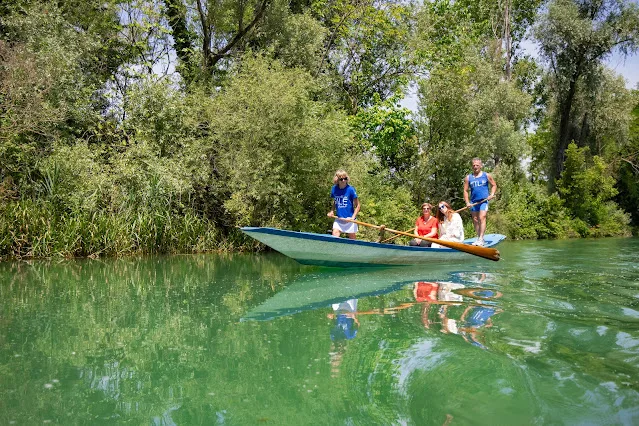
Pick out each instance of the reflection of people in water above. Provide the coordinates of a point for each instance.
(345, 328)
(425, 293)
(474, 277)
(345, 314)
(474, 318)
(479, 316)
(448, 294)
(443, 294)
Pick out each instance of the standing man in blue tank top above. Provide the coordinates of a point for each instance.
(476, 189)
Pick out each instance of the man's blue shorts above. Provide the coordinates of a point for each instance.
(480, 207)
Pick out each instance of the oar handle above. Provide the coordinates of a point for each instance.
(395, 236)
(485, 252)
(471, 205)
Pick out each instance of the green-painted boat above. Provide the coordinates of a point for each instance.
(326, 250)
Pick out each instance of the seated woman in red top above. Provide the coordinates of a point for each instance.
(425, 226)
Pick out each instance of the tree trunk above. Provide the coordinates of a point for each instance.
(564, 130)
(206, 39)
(507, 41)
(183, 42)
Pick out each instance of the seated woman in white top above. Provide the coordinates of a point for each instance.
(451, 227)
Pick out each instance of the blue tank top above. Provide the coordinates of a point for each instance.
(478, 187)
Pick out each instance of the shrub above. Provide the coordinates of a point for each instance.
(275, 149)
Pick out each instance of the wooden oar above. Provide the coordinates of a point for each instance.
(485, 252)
(456, 211)
(398, 235)
(471, 205)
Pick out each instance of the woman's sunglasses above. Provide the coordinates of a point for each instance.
(342, 179)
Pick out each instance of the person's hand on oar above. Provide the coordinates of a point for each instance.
(472, 205)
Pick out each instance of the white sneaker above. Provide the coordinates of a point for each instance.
(479, 242)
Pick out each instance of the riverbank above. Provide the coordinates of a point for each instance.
(35, 230)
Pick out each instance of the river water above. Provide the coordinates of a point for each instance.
(547, 335)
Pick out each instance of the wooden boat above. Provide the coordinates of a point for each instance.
(326, 250)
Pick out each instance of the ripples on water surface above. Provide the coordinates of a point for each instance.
(548, 335)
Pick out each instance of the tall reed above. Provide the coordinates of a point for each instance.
(36, 229)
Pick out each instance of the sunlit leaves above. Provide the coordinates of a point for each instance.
(277, 148)
(389, 132)
(468, 111)
(575, 38)
(367, 50)
(584, 186)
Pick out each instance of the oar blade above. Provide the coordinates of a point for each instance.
(485, 252)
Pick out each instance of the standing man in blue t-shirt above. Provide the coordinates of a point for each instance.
(476, 189)
(345, 203)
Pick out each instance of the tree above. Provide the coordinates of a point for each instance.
(585, 185)
(274, 156)
(367, 49)
(57, 57)
(467, 110)
(503, 23)
(211, 37)
(575, 38)
(389, 133)
(628, 171)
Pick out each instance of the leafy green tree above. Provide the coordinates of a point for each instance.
(443, 34)
(387, 131)
(273, 148)
(524, 210)
(58, 57)
(575, 38)
(468, 111)
(447, 28)
(367, 50)
(607, 114)
(206, 41)
(163, 117)
(540, 143)
(587, 186)
(294, 39)
(628, 171)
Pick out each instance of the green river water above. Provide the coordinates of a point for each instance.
(549, 335)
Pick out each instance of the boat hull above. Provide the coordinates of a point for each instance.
(326, 250)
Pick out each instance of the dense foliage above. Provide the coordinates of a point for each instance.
(161, 126)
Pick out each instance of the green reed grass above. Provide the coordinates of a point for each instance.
(34, 229)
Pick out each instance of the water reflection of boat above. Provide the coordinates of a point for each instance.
(453, 303)
(322, 289)
(326, 250)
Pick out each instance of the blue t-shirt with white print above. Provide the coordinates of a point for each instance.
(344, 200)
